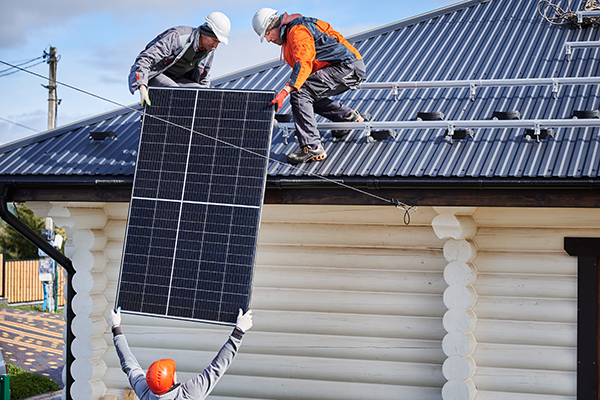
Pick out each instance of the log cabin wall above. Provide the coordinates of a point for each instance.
(349, 302)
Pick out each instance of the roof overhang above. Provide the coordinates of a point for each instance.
(523, 192)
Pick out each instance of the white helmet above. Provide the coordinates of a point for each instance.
(261, 21)
(219, 24)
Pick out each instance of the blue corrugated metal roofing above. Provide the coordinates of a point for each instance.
(69, 150)
(478, 39)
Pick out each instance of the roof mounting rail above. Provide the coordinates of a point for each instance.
(569, 46)
(589, 14)
(453, 126)
(474, 83)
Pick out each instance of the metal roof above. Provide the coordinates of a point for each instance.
(70, 151)
(477, 39)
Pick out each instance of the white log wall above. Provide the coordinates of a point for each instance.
(349, 303)
(526, 304)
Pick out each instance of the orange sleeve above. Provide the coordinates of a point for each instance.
(303, 53)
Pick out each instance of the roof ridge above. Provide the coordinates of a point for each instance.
(355, 38)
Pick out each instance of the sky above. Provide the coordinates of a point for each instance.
(97, 43)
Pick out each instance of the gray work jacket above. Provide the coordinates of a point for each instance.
(165, 50)
(197, 388)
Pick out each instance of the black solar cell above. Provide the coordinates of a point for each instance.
(196, 203)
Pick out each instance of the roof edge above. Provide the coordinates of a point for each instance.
(355, 38)
(413, 20)
(375, 183)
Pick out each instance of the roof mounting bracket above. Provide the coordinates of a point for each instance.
(568, 50)
(395, 91)
(450, 130)
(286, 134)
(538, 132)
(370, 139)
(554, 88)
(472, 91)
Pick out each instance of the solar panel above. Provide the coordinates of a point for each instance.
(196, 202)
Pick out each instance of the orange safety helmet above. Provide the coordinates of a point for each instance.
(161, 376)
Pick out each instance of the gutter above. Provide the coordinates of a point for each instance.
(61, 259)
(438, 183)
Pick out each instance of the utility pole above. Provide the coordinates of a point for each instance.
(52, 100)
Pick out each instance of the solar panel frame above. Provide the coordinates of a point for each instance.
(201, 190)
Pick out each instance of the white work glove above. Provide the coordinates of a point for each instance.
(145, 98)
(244, 321)
(114, 319)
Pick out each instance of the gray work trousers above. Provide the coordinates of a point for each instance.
(313, 97)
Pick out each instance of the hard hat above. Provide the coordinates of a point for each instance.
(261, 21)
(220, 25)
(161, 376)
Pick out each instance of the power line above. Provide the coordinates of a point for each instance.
(23, 66)
(16, 123)
(22, 63)
(407, 208)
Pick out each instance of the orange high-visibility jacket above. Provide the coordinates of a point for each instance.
(310, 44)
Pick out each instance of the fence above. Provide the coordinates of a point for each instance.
(20, 282)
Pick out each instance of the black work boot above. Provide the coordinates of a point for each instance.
(306, 154)
(354, 116)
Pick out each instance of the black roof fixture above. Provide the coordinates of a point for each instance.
(505, 115)
(458, 134)
(101, 135)
(430, 116)
(585, 114)
(283, 117)
(538, 133)
(382, 134)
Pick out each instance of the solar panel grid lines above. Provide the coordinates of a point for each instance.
(196, 203)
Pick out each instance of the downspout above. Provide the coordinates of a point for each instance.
(60, 258)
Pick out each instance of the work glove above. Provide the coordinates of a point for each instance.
(145, 98)
(278, 100)
(114, 319)
(244, 321)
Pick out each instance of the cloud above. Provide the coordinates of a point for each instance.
(19, 18)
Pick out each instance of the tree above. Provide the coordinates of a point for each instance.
(12, 243)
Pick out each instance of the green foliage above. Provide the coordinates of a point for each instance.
(13, 244)
(25, 384)
(32, 307)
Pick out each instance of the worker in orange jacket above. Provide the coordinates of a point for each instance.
(323, 64)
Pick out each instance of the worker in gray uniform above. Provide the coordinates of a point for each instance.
(179, 57)
(160, 381)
